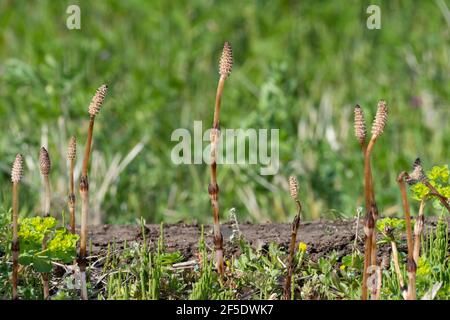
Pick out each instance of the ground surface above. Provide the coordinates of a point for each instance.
(322, 236)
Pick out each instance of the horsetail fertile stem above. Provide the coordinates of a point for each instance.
(225, 65)
(293, 187)
(360, 134)
(94, 108)
(45, 167)
(378, 126)
(71, 155)
(370, 249)
(411, 265)
(16, 176)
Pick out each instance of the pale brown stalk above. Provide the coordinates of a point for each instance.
(225, 65)
(16, 176)
(390, 234)
(71, 155)
(94, 108)
(377, 292)
(411, 265)
(418, 230)
(370, 200)
(368, 231)
(293, 186)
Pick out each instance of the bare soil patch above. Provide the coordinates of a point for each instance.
(322, 237)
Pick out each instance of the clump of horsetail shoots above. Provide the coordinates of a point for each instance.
(293, 188)
(225, 66)
(45, 168)
(71, 155)
(379, 123)
(411, 265)
(16, 176)
(94, 109)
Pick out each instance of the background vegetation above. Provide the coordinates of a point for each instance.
(299, 67)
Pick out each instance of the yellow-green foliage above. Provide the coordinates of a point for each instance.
(60, 245)
(439, 178)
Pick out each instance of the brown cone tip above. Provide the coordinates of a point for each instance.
(17, 169)
(72, 149)
(226, 61)
(360, 125)
(293, 187)
(380, 119)
(97, 100)
(45, 164)
(417, 175)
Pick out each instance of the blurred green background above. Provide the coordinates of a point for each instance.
(300, 66)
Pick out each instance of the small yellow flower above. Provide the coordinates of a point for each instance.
(342, 267)
(302, 247)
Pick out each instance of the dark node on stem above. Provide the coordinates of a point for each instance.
(369, 225)
(213, 189)
(370, 221)
(15, 246)
(71, 198)
(84, 184)
(218, 241)
(411, 265)
(81, 261)
(374, 210)
(296, 223)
